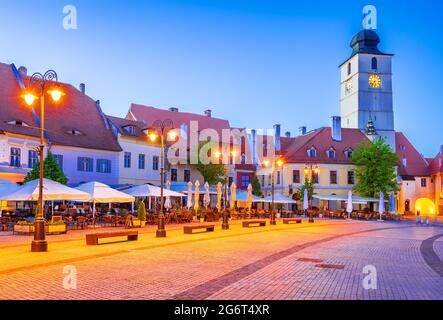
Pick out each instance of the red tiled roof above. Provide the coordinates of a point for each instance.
(76, 111)
(295, 149)
(122, 123)
(436, 165)
(416, 165)
(150, 114)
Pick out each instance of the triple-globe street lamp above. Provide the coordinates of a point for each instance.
(161, 129)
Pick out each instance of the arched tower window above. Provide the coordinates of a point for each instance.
(374, 64)
(349, 68)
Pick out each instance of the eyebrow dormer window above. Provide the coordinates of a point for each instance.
(130, 130)
(75, 132)
(312, 153)
(18, 123)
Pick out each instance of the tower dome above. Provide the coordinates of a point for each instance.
(366, 41)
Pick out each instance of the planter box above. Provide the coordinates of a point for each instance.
(139, 223)
(58, 228)
(49, 229)
(23, 229)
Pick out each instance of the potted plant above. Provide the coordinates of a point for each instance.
(56, 227)
(140, 221)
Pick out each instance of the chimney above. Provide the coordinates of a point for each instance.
(288, 134)
(254, 146)
(277, 136)
(302, 131)
(83, 88)
(173, 109)
(336, 128)
(208, 113)
(23, 71)
(441, 149)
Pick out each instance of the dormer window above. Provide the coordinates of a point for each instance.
(75, 132)
(402, 147)
(130, 130)
(312, 153)
(330, 153)
(18, 123)
(348, 153)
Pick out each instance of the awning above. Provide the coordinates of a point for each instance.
(343, 197)
(242, 196)
(279, 198)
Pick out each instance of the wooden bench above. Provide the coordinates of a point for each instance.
(259, 223)
(92, 239)
(188, 229)
(289, 220)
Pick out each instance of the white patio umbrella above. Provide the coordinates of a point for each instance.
(305, 200)
(149, 190)
(349, 207)
(197, 196)
(233, 196)
(168, 204)
(381, 205)
(207, 198)
(102, 193)
(189, 200)
(52, 191)
(219, 195)
(249, 201)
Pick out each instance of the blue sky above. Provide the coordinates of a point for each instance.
(255, 63)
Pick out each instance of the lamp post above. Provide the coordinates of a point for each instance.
(278, 162)
(39, 86)
(225, 224)
(310, 169)
(159, 129)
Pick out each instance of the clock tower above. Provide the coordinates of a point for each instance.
(366, 101)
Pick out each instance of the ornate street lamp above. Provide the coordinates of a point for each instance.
(219, 156)
(39, 86)
(277, 163)
(161, 129)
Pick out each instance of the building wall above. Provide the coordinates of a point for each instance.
(70, 155)
(323, 187)
(135, 175)
(70, 158)
(412, 190)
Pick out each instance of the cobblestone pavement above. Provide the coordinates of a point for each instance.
(324, 260)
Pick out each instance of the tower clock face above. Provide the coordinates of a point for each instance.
(375, 81)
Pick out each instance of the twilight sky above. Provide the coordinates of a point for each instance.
(255, 63)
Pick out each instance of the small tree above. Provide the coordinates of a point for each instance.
(375, 168)
(307, 185)
(51, 170)
(141, 212)
(212, 173)
(256, 187)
